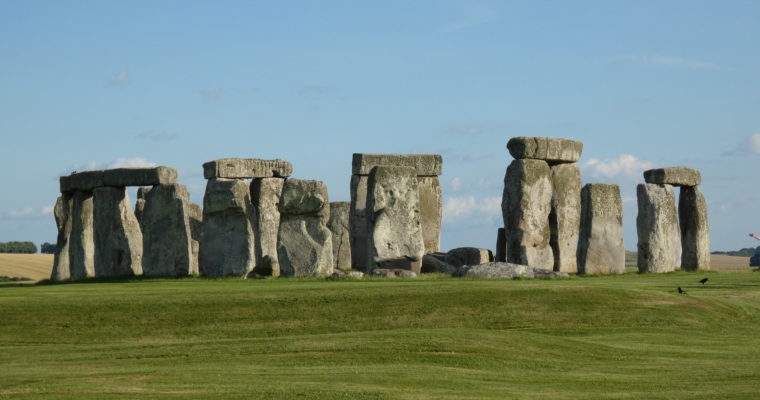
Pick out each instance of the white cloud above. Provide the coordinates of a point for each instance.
(121, 78)
(456, 183)
(474, 15)
(625, 166)
(752, 144)
(136, 162)
(465, 129)
(468, 206)
(28, 212)
(668, 61)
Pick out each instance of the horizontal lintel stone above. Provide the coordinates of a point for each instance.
(552, 150)
(423, 164)
(247, 168)
(676, 176)
(118, 177)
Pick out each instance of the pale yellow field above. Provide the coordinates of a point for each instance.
(720, 261)
(32, 266)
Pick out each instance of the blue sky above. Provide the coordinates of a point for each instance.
(642, 83)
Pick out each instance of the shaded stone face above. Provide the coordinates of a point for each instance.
(423, 164)
(501, 246)
(142, 194)
(565, 216)
(304, 243)
(659, 244)
(695, 235)
(118, 177)
(468, 256)
(548, 149)
(358, 221)
(265, 196)
(394, 235)
(341, 243)
(526, 204)
(431, 211)
(81, 242)
(118, 240)
(600, 244)
(62, 213)
(246, 168)
(227, 246)
(167, 238)
(676, 176)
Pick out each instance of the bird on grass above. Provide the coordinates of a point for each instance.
(681, 291)
(703, 281)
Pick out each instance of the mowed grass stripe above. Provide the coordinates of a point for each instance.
(624, 337)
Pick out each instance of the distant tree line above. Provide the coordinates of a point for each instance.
(47, 248)
(18, 247)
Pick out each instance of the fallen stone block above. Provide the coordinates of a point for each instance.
(695, 234)
(659, 246)
(341, 241)
(423, 164)
(118, 240)
(468, 256)
(543, 148)
(265, 196)
(167, 236)
(246, 168)
(676, 176)
(600, 244)
(62, 212)
(501, 270)
(348, 274)
(526, 204)
(121, 177)
(227, 246)
(435, 262)
(394, 235)
(565, 216)
(393, 273)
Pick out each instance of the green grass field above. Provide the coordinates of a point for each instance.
(620, 337)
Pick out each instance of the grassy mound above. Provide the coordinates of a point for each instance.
(629, 336)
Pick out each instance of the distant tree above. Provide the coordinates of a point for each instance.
(18, 247)
(754, 261)
(47, 248)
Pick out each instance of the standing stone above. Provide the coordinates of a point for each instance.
(227, 246)
(600, 245)
(501, 246)
(265, 196)
(341, 243)
(431, 211)
(526, 204)
(695, 235)
(142, 194)
(657, 225)
(62, 213)
(81, 243)
(195, 218)
(167, 237)
(565, 216)
(394, 237)
(118, 240)
(358, 221)
(304, 244)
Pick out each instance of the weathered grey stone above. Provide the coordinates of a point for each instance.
(395, 236)
(227, 245)
(423, 164)
(142, 194)
(358, 221)
(246, 168)
(502, 270)
(394, 273)
(435, 262)
(341, 238)
(81, 242)
(118, 240)
(565, 216)
(119, 177)
(547, 149)
(304, 246)
(195, 218)
(63, 222)
(431, 211)
(304, 197)
(167, 236)
(676, 176)
(526, 204)
(657, 226)
(348, 274)
(600, 244)
(501, 246)
(265, 196)
(139, 176)
(695, 235)
(82, 181)
(468, 256)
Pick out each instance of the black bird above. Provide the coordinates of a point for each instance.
(681, 290)
(703, 281)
